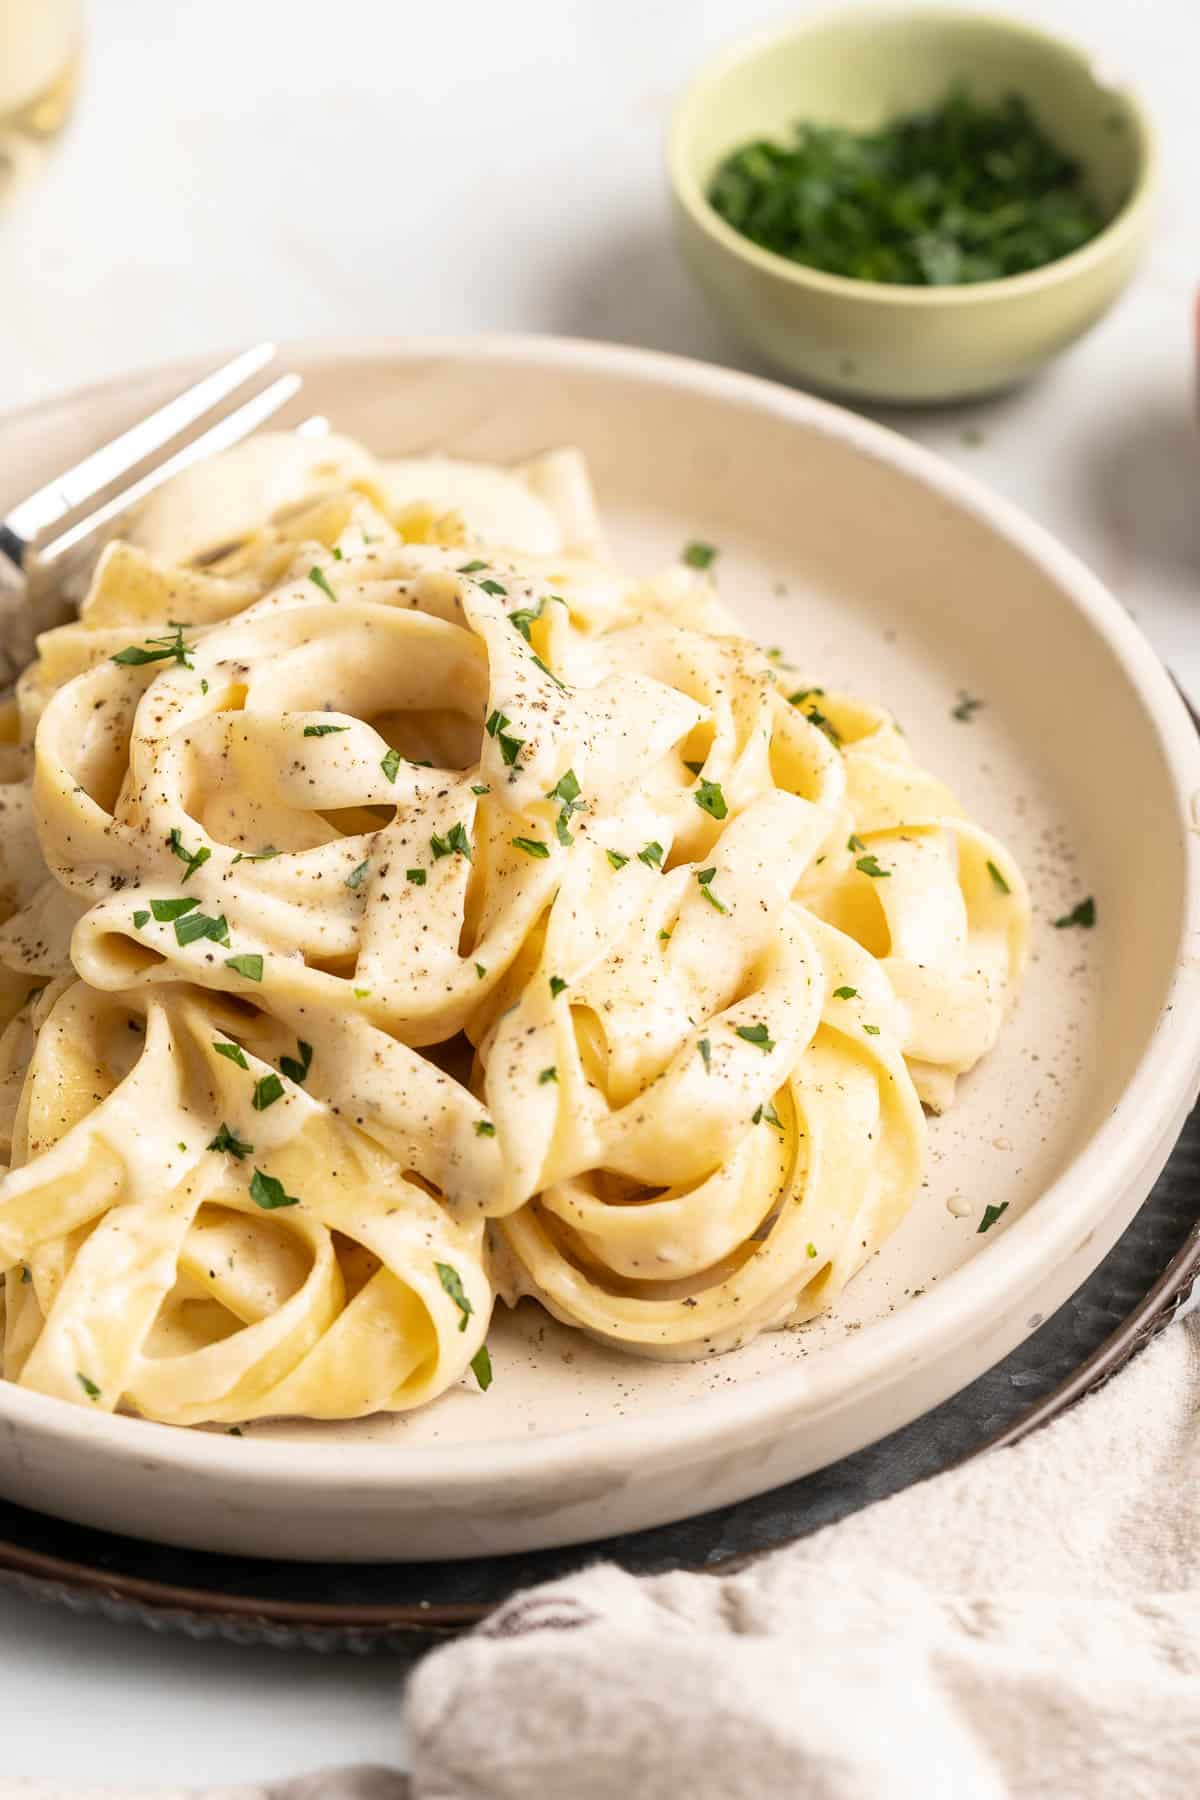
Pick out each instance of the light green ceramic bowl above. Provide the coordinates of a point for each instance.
(860, 68)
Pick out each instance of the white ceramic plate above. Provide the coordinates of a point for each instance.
(898, 578)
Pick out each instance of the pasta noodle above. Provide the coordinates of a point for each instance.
(403, 908)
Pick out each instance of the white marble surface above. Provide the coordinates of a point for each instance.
(243, 170)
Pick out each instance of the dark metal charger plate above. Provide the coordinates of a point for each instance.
(408, 1607)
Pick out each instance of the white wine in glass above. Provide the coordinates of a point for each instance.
(40, 45)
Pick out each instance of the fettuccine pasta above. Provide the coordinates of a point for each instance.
(403, 908)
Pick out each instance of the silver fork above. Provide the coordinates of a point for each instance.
(49, 538)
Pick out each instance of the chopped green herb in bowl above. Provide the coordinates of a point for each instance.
(914, 204)
(966, 191)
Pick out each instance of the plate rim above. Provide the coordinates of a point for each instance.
(1160, 1090)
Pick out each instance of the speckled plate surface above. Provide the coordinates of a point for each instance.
(1139, 1287)
(880, 570)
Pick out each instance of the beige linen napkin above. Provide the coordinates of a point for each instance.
(1025, 1628)
(1028, 1625)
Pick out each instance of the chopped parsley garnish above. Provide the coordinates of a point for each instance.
(845, 993)
(566, 789)
(771, 1117)
(249, 966)
(524, 617)
(452, 1282)
(234, 1052)
(557, 984)
(161, 649)
(268, 850)
(356, 876)
(998, 881)
(966, 190)
(510, 747)
(493, 587)
(480, 788)
(550, 1074)
(698, 555)
(966, 708)
(757, 1035)
(416, 876)
(267, 1091)
(484, 1128)
(318, 580)
(297, 1070)
(140, 918)
(203, 685)
(871, 1030)
(1084, 914)
(455, 841)
(695, 768)
(194, 859)
(816, 717)
(267, 1192)
(664, 936)
(472, 568)
(235, 1431)
(705, 1049)
(854, 843)
(616, 859)
(550, 672)
(337, 553)
(390, 764)
(802, 694)
(869, 865)
(704, 877)
(229, 1142)
(651, 854)
(166, 910)
(531, 846)
(710, 799)
(811, 1250)
(197, 925)
(89, 1387)
(990, 1215)
(323, 730)
(481, 1368)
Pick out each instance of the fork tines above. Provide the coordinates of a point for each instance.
(115, 477)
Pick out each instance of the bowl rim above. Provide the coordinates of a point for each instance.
(1121, 230)
(1152, 1104)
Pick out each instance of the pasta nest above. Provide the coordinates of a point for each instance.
(412, 918)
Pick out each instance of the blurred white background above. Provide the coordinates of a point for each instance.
(247, 168)
(243, 170)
